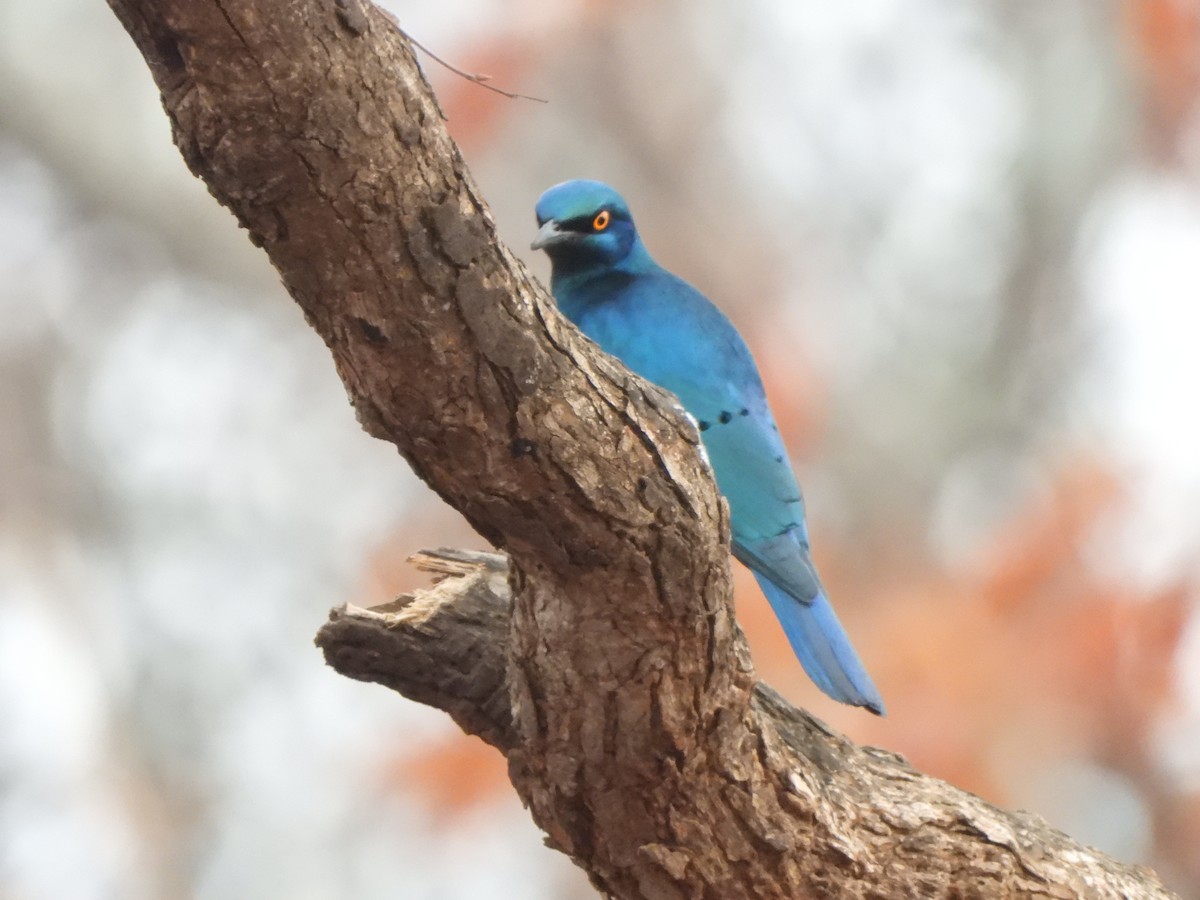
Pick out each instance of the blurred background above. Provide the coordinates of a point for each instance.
(964, 242)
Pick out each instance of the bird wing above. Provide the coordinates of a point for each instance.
(784, 561)
(671, 334)
(750, 461)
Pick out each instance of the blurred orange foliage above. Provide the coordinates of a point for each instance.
(1166, 40)
(452, 776)
(473, 112)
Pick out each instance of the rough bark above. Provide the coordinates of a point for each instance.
(864, 822)
(607, 666)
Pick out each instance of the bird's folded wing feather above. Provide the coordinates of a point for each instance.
(785, 561)
(672, 335)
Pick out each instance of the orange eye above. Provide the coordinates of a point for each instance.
(601, 221)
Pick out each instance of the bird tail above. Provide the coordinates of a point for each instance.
(823, 647)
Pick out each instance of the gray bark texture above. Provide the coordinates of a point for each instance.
(600, 655)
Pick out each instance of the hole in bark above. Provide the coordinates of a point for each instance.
(522, 447)
(371, 332)
(169, 54)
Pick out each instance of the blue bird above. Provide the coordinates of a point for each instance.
(669, 333)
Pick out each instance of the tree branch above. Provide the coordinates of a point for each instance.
(612, 673)
(443, 647)
(939, 841)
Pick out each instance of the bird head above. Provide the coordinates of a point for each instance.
(584, 224)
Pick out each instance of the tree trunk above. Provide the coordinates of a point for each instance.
(601, 657)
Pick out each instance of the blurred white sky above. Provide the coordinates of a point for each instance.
(1139, 263)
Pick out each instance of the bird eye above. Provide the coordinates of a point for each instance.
(601, 221)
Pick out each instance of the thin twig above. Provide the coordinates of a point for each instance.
(478, 78)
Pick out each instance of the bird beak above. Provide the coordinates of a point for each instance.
(549, 234)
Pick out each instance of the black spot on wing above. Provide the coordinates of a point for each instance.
(724, 418)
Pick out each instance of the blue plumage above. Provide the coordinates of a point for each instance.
(669, 333)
